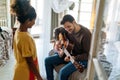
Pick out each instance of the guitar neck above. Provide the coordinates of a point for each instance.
(68, 54)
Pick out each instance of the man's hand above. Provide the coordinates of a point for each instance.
(67, 59)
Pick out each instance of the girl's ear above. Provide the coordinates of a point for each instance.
(74, 22)
(27, 21)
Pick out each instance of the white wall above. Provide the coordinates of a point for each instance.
(45, 35)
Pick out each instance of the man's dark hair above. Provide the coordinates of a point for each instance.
(67, 18)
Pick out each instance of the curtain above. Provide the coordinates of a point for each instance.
(54, 22)
(113, 38)
(113, 28)
(59, 6)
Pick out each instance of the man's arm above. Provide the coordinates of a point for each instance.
(81, 57)
(86, 48)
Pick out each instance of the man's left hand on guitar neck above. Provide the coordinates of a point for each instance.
(67, 58)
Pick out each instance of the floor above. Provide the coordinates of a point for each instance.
(6, 71)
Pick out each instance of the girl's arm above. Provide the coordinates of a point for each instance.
(33, 68)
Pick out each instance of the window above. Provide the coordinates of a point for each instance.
(83, 9)
(5, 20)
(38, 5)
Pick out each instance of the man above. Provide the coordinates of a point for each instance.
(80, 50)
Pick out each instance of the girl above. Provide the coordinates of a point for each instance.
(26, 67)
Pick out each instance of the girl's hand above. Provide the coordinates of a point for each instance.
(39, 78)
(60, 52)
(57, 45)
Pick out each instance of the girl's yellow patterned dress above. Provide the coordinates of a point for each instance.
(24, 46)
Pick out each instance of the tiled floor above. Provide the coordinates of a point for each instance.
(6, 72)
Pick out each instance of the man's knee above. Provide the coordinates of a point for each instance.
(62, 72)
(47, 60)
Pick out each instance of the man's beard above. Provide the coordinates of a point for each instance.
(73, 31)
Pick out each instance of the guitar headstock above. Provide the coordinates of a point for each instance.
(79, 66)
